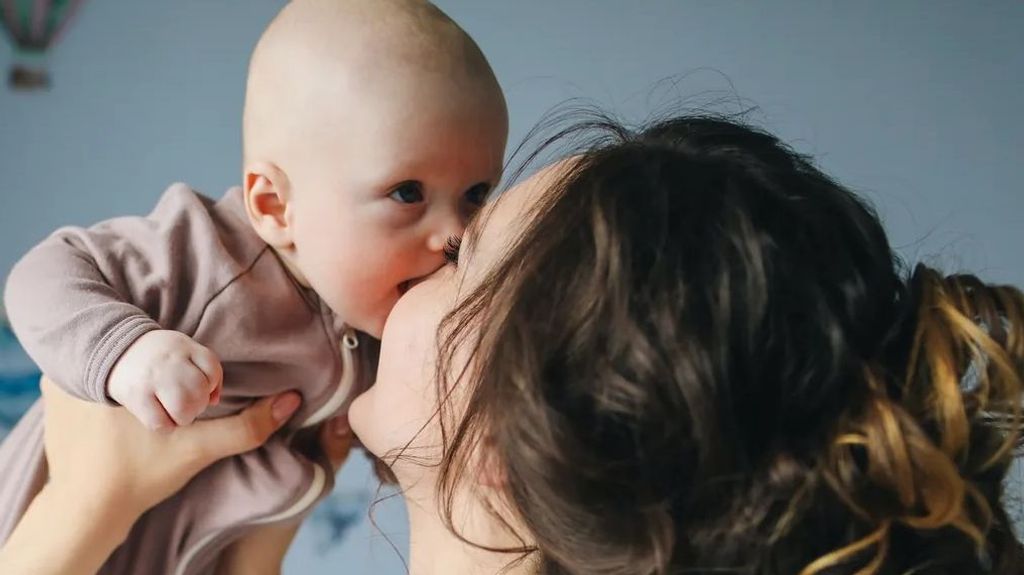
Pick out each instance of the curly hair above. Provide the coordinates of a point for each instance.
(703, 356)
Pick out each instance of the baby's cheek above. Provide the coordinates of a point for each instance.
(354, 277)
(395, 265)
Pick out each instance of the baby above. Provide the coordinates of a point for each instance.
(373, 130)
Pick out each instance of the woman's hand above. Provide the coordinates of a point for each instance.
(106, 469)
(108, 454)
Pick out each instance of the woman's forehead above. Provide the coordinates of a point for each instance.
(500, 222)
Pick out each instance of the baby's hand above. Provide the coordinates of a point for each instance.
(166, 379)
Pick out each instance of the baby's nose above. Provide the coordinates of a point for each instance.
(451, 227)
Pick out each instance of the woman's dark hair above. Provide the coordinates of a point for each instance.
(703, 356)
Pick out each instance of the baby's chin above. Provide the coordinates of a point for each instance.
(370, 322)
(374, 321)
(408, 284)
(374, 327)
(374, 324)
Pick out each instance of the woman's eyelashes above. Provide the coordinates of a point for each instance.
(407, 193)
(451, 249)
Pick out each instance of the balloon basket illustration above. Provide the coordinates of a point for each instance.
(29, 72)
(34, 27)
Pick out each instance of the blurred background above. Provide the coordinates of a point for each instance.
(914, 104)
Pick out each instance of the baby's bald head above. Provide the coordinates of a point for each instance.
(321, 61)
(373, 131)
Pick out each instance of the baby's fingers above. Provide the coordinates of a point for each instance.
(185, 396)
(209, 364)
(151, 413)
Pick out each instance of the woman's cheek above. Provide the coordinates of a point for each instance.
(360, 419)
(399, 409)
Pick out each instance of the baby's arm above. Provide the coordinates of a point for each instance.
(90, 306)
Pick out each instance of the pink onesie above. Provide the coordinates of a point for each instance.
(79, 299)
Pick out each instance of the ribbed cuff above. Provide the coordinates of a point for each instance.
(110, 349)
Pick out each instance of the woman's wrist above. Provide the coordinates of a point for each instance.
(65, 532)
(116, 512)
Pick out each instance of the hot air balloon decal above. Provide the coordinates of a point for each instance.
(33, 27)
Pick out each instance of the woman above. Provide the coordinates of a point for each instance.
(688, 350)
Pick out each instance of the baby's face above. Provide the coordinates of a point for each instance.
(376, 201)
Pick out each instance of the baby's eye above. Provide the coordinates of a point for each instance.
(477, 194)
(407, 193)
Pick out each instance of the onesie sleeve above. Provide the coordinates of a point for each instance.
(80, 298)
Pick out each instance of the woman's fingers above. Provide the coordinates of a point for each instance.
(104, 453)
(219, 438)
(336, 439)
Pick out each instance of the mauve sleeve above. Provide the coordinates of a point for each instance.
(79, 299)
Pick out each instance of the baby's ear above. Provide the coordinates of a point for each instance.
(267, 202)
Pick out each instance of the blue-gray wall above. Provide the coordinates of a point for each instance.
(917, 104)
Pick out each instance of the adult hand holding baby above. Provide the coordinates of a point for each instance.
(106, 470)
(166, 379)
(103, 450)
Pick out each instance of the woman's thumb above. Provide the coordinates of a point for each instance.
(282, 407)
(246, 430)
